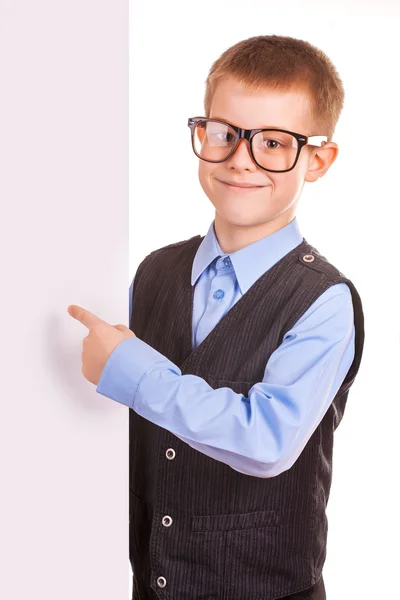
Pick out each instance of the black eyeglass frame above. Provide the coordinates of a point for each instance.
(248, 134)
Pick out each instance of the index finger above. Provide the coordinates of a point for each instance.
(84, 316)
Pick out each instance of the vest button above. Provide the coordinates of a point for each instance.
(166, 521)
(161, 582)
(170, 454)
(308, 258)
(218, 294)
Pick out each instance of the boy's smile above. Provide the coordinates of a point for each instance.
(236, 185)
(244, 215)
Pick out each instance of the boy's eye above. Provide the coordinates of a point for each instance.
(221, 136)
(266, 143)
(271, 144)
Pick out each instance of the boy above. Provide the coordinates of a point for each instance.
(248, 340)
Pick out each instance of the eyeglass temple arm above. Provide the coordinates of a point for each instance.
(316, 140)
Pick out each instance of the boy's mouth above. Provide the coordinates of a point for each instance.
(240, 186)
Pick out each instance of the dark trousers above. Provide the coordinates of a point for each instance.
(316, 592)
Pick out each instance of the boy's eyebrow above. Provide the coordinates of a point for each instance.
(262, 126)
(272, 127)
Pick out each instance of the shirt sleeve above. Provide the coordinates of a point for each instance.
(261, 434)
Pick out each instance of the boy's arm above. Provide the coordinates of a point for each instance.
(262, 434)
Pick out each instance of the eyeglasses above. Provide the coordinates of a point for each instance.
(275, 150)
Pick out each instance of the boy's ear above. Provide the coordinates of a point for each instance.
(320, 161)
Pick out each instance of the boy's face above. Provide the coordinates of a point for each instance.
(273, 204)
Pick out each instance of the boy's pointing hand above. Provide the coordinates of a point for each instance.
(99, 343)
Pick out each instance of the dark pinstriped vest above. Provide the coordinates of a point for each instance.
(232, 536)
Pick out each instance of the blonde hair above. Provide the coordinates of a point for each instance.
(283, 63)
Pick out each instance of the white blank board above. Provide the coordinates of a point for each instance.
(63, 240)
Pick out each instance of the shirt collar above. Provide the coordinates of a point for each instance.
(253, 260)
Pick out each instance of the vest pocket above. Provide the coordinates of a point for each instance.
(139, 526)
(239, 521)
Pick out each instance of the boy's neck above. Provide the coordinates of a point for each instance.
(234, 237)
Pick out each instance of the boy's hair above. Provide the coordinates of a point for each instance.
(283, 63)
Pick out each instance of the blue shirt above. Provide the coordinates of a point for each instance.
(261, 434)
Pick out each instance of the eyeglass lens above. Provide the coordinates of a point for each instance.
(273, 150)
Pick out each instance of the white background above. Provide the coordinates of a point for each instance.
(350, 215)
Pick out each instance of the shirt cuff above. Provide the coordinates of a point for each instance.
(126, 366)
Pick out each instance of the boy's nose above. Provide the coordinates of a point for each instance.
(242, 153)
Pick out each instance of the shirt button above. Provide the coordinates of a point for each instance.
(166, 521)
(161, 582)
(218, 294)
(227, 261)
(170, 454)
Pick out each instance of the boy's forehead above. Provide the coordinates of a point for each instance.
(237, 104)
